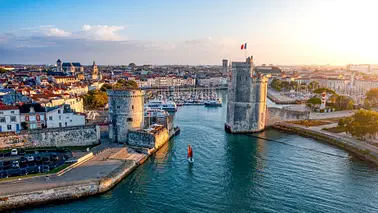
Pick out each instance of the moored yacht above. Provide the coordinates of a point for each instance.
(168, 106)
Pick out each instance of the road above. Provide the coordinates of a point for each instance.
(337, 114)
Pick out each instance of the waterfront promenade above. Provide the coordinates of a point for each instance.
(361, 149)
(108, 158)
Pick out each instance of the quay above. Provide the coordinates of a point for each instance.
(108, 166)
(360, 149)
(278, 98)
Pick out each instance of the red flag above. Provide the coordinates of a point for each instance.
(242, 46)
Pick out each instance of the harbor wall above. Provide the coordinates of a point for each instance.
(148, 139)
(276, 114)
(54, 137)
(38, 197)
(358, 148)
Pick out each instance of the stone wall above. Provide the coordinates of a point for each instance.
(148, 140)
(54, 137)
(63, 192)
(275, 115)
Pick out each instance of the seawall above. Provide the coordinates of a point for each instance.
(358, 148)
(74, 190)
(54, 137)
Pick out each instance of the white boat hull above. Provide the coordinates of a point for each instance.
(190, 160)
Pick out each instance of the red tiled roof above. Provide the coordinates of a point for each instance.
(7, 107)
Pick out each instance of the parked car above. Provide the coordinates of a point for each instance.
(23, 159)
(15, 164)
(3, 174)
(1, 164)
(45, 168)
(46, 159)
(21, 151)
(33, 168)
(14, 152)
(38, 158)
(24, 172)
(30, 158)
(54, 156)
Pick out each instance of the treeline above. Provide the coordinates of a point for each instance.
(279, 85)
(362, 125)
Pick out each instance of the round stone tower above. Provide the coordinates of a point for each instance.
(59, 65)
(126, 112)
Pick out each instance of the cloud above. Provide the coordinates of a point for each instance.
(23, 49)
(87, 32)
(100, 32)
(57, 32)
(40, 27)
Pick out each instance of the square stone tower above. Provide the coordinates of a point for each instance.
(126, 112)
(247, 94)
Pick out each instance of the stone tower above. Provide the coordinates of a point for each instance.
(59, 65)
(224, 66)
(94, 71)
(247, 94)
(126, 112)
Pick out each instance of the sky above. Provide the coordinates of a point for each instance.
(285, 32)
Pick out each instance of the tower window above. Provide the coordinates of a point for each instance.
(129, 119)
(132, 107)
(118, 107)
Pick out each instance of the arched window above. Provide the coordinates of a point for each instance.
(132, 107)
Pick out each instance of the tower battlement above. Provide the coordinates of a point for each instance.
(247, 94)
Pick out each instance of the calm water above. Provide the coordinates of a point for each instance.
(238, 173)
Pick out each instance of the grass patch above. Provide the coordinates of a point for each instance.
(310, 122)
(337, 129)
(59, 168)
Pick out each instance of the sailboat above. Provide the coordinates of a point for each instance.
(190, 154)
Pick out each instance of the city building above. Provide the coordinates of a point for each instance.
(9, 119)
(65, 79)
(126, 112)
(247, 94)
(63, 116)
(32, 116)
(95, 75)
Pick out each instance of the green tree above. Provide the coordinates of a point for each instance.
(371, 99)
(127, 84)
(95, 99)
(314, 101)
(364, 123)
(2, 70)
(106, 87)
(276, 84)
(321, 90)
(313, 85)
(132, 65)
(343, 102)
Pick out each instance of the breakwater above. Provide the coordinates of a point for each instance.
(359, 148)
